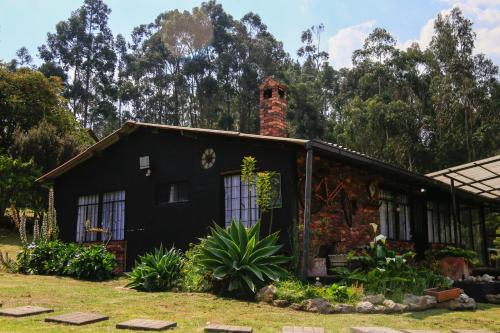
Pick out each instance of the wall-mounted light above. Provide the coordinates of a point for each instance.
(423, 190)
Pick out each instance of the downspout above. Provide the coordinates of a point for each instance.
(307, 210)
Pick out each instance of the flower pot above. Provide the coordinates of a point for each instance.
(337, 260)
(317, 267)
(443, 295)
(456, 268)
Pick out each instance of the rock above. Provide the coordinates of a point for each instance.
(343, 308)
(318, 305)
(487, 278)
(419, 303)
(296, 306)
(393, 307)
(365, 307)
(463, 302)
(492, 298)
(374, 299)
(379, 309)
(281, 303)
(266, 294)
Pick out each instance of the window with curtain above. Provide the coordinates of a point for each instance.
(395, 215)
(113, 214)
(236, 201)
(172, 192)
(440, 223)
(105, 211)
(88, 216)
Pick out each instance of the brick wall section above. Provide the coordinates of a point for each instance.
(119, 249)
(329, 225)
(273, 109)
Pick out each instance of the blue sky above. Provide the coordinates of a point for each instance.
(347, 22)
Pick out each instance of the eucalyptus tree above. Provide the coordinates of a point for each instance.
(83, 46)
(463, 87)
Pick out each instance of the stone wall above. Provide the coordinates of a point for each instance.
(344, 205)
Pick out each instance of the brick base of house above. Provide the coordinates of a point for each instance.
(119, 249)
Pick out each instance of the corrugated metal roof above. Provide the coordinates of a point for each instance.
(479, 177)
(131, 126)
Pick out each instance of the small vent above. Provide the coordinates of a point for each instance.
(144, 162)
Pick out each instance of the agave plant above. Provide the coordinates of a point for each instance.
(156, 271)
(238, 257)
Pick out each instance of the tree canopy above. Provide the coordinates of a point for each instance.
(421, 109)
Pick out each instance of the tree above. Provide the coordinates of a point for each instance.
(16, 183)
(463, 84)
(83, 45)
(26, 98)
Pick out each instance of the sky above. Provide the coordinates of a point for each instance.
(347, 22)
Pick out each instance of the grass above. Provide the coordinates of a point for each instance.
(193, 311)
(9, 242)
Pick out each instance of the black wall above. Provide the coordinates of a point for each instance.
(174, 156)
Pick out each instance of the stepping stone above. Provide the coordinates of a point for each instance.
(419, 331)
(470, 331)
(373, 330)
(227, 329)
(77, 318)
(24, 311)
(290, 329)
(146, 325)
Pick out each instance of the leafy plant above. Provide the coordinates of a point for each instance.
(46, 258)
(92, 263)
(238, 258)
(58, 258)
(451, 251)
(194, 276)
(157, 271)
(384, 271)
(7, 263)
(294, 291)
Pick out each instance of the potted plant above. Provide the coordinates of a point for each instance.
(455, 262)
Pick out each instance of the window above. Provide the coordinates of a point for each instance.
(236, 200)
(440, 224)
(172, 193)
(106, 212)
(395, 218)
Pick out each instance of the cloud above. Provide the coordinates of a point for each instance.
(347, 40)
(485, 15)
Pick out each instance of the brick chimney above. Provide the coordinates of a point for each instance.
(273, 108)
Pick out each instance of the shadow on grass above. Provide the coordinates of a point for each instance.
(9, 237)
(422, 315)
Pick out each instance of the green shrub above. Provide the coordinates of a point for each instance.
(386, 272)
(46, 258)
(66, 259)
(294, 291)
(91, 263)
(157, 271)
(451, 251)
(194, 276)
(239, 259)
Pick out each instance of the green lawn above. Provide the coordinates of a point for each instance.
(193, 311)
(9, 242)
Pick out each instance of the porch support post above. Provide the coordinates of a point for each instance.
(456, 217)
(482, 227)
(307, 210)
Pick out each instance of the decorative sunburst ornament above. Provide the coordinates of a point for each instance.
(208, 158)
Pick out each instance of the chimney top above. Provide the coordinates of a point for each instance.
(273, 108)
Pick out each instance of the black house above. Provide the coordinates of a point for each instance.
(149, 184)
